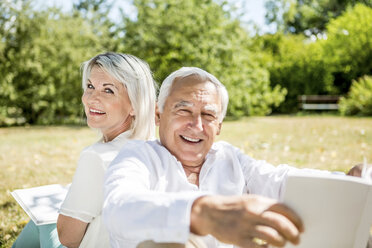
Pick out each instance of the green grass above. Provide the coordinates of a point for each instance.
(33, 156)
(332, 143)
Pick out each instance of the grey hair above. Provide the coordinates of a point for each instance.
(136, 76)
(189, 71)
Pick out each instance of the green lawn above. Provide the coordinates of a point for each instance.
(33, 156)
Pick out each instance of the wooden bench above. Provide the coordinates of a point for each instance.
(318, 102)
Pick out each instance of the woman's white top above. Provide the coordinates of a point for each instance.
(84, 199)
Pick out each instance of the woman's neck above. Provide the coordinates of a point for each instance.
(109, 135)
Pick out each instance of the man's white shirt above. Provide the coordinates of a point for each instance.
(148, 196)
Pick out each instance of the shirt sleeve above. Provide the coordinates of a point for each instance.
(264, 179)
(84, 199)
(133, 208)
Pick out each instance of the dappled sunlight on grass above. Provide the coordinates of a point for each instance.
(332, 143)
(31, 157)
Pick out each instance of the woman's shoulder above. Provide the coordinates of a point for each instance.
(101, 153)
(108, 147)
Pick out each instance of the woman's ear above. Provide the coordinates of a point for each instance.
(131, 113)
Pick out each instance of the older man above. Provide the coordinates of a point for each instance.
(185, 183)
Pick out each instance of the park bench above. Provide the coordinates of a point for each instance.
(318, 102)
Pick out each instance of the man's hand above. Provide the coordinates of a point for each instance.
(240, 220)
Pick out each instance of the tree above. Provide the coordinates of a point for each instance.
(169, 34)
(296, 65)
(348, 48)
(97, 13)
(42, 52)
(307, 16)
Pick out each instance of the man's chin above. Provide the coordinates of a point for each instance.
(191, 159)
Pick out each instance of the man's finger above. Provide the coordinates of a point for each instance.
(251, 243)
(269, 235)
(285, 229)
(289, 214)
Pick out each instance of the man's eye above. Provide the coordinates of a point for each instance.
(108, 90)
(209, 117)
(90, 86)
(184, 111)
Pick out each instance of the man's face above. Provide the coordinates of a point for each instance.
(190, 119)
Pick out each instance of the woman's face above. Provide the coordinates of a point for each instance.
(106, 104)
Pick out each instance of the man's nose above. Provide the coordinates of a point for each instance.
(197, 122)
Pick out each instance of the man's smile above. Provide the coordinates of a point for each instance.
(189, 139)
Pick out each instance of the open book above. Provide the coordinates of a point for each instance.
(336, 210)
(41, 203)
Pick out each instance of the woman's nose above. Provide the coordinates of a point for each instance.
(93, 96)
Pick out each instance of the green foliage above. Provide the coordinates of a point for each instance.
(173, 33)
(359, 99)
(348, 47)
(324, 64)
(298, 66)
(307, 16)
(42, 52)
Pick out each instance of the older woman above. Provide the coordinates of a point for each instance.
(119, 101)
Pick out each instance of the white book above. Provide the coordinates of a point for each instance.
(336, 210)
(41, 203)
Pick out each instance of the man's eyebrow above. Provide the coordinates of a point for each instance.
(183, 104)
(212, 108)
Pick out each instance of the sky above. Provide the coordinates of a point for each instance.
(254, 10)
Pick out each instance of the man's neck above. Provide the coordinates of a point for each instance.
(192, 173)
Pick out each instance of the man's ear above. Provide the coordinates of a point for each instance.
(157, 115)
(219, 128)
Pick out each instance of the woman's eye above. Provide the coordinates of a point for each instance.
(108, 90)
(90, 86)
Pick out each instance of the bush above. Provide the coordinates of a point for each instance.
(298, 66)
(348, 48)
(359, 98)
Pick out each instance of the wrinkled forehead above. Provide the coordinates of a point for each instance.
(193, 84)
(194, 90)
(210, 107)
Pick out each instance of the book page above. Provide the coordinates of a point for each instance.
(41, 203)
(363, 232)
(333, 209)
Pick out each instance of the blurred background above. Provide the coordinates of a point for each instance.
(296, 70)
(267, 53)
